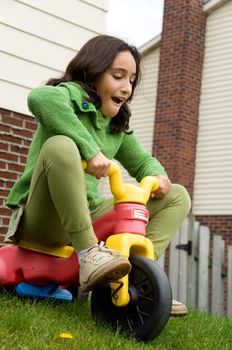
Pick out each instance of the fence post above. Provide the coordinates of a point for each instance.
(178, 262)
(203, 273)
(229, 279)
(183, 262)
(193, 263)
(174, 265)
(217, 306)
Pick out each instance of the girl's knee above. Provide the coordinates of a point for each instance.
(62, 150)
(182, 195)
(60, 142)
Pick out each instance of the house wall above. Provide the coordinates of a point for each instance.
(193, 114)
(38, 38)
(213, 181)
(208, 138)
(143, 104)
(212, 200)
(16, 129)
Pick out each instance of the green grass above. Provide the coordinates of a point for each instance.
(30, 325)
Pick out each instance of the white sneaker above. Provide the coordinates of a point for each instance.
(102, 265)
(178, 308)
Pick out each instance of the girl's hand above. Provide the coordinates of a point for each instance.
(165, 187)
(98, 166)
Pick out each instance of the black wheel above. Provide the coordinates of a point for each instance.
(149, 308)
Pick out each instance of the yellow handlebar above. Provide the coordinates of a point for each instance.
(124, 192)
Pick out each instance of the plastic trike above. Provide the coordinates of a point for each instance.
(139, 304)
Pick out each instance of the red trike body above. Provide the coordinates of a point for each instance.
(18, 264)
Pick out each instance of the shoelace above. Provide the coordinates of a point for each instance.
(105, 249)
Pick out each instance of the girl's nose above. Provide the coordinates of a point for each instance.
(126, 88)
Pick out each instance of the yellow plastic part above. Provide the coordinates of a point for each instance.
(128, 193)
(124, 193)
(122, 296)
(131, 243)
(62, 252)
(126, 244)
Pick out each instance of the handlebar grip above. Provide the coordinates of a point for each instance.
(84, 164)
(123, 192)
(115, 178)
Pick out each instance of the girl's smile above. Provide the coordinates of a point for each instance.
(114, 87)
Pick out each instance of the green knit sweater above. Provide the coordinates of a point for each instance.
(65, 110)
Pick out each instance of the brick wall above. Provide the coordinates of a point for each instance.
(16, 131)
(218, 225)
(181, 60)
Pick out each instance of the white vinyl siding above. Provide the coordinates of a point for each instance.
(213, 173)
(38, 38)
(144, 103)
(142, 108)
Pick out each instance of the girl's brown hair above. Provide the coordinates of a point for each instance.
(93, 59)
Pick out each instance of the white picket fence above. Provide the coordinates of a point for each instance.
(198, 278)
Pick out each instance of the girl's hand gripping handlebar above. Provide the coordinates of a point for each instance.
(124, 192)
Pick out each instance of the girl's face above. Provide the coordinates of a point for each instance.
(114, 86)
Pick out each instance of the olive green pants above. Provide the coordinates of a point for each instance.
(57, 213)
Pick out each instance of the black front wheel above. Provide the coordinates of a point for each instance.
(150, 302)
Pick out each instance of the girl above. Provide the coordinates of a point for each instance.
(85, 115)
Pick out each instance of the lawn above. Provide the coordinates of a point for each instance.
(36, 325)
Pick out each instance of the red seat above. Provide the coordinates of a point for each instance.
(21, 265)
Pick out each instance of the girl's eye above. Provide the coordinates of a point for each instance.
(117, 77)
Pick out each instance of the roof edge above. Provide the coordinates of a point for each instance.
(150, 45)
(212, 5)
